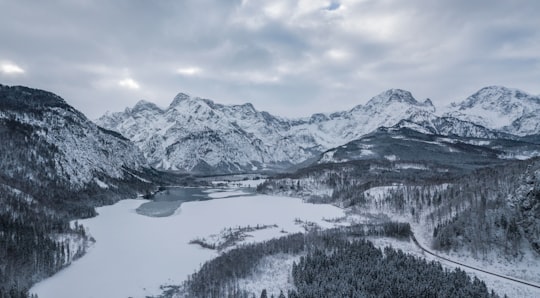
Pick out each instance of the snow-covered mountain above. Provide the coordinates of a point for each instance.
(505, 109)
(195, 134)
(45, 139)
(385, 109)
(392, 107)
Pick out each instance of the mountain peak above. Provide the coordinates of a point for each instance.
(183, 97)
(249, 106)
(180, 97)
(142, 105)
(496, 88)
(498, 107)
(428, 102)
(393, 95)
(497, 96)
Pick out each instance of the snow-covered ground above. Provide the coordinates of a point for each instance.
(135, 254)
(273, 273)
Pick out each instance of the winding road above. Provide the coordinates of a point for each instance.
(471, 267)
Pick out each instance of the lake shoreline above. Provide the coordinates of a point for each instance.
(134, 255)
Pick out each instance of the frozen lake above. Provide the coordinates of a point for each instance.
(135, 254)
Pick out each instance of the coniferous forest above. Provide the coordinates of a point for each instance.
(36, 238)
(336, 263)
(481, 210)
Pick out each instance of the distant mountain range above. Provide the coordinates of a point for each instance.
(199, 135)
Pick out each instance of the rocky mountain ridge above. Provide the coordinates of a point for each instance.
(195, 134)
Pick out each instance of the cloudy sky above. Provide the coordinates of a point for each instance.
(291, 58)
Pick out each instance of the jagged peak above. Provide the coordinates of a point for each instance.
(184, 97)
(428, 102)
(248, 105)
(393, 95)
(144, 105)
(318, 117)
(179, 98)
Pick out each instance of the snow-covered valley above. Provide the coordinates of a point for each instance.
(135, 254)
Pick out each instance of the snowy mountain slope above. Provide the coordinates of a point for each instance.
(43, 138)
(501, 108)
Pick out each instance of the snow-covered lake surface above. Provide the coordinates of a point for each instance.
(135, 254)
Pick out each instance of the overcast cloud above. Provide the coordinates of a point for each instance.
(291, 58)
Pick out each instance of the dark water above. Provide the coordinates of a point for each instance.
(166, 202)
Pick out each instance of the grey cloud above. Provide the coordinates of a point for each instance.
(444, 50)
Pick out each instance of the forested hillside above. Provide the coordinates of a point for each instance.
(488, 209)
(55, 166)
